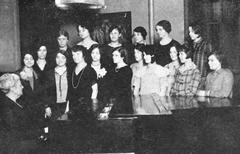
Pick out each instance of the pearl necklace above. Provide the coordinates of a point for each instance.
(78, 78)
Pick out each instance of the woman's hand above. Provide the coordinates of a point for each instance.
(48, 112)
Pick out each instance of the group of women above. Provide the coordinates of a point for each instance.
(117, 73)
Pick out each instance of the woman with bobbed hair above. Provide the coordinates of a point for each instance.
(19, 130)
(83, 87)
(187, 77)
(162, 49)
(151, 79)
(121, 77)
(219, 82)
(139, 35)
(57, 90)
(138, 54)
(102, 73)
(172, 66)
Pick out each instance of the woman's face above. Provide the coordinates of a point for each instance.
(161, 31)
(28, 60)
(62, 41)
(78, 57)
(61, 60)
(117, 57)
(83, 32)
(18, 88)
(138, 55)
(213, 62)
(115, 35)
(147, 58)
(192, 34)
(138, 37)
(96, 55)
(173, 53)
(182, 57)
(42, 52)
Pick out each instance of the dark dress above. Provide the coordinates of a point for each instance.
(162, 52)
(107, 55)
(121, 90)
(42, 73)
(80, 92)
(17, 128)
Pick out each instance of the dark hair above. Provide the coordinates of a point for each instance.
(140, 47)
(85, 25)
(80, 48)
(117, 27)
(123, 53)
(63, 53)
(94, 46)
(196, 28)
(141, 30)
(166, 25)
(186, 50)
(64, 33)
(149, 50)
(221, 58)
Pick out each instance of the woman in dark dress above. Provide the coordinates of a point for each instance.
(121, 78)
(116, 38)
(18, 129)
(102, 74)
(162, 49)
(82, 85)
(33, 92)
(42, 65)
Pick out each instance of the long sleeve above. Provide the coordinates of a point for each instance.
(225, 89)
(193, 86)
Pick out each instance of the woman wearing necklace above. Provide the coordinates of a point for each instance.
(83, 87)
(121, 78)
(102, 74)
(187, 77)
(58, 86)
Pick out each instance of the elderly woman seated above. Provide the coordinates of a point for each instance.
(17, 128)
(220, 81)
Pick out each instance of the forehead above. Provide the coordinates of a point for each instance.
(116, 52)
(60, 55)
(115, 30)
(62, 37)
(137, 51)
(28, 56)
(159, 27)
(77, 52)
(95, 50)
(42, 47)
(173, 49)
(182, 53)
(212, 57)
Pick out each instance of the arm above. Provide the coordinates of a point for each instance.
(226, 86)
(94, 91)
(192, 88)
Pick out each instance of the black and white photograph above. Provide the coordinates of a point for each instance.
(120, 77)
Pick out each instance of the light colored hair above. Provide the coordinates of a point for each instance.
(7, 81)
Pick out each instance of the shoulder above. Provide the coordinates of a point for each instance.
(161, 71)
(227, 72)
